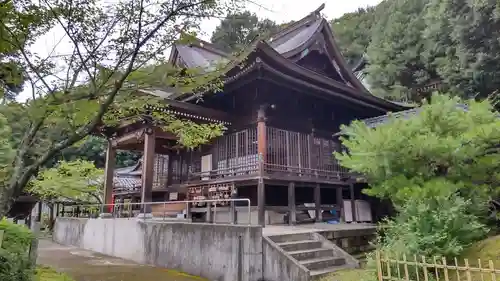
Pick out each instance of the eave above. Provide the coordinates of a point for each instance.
(331, 94)
(271, 57)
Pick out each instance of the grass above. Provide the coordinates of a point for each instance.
(480, 252)
(355, 274)
(44, 273)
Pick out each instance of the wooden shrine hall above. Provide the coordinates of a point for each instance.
(283, 108)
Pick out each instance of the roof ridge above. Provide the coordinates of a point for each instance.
(297, 24)
(207, 46)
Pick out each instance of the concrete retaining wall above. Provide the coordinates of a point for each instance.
(215, 252)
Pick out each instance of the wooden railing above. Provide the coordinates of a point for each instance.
(288, 153)
(424, 269)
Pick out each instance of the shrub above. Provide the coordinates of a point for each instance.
(17, 238)
(440, 226)
(14, 262)
(49, 274)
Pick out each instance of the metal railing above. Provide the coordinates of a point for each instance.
(126, 210)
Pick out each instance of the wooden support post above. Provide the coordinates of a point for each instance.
(292, 205)
(189, 214)
(261, 133)
(109, 173)
(261, 201)
(353, 206)
(262, 151)
(317, 203)
(51, 216)
(232, 206)
(147, 171)
(209, 217)
(57, 210)
(39, 214)
(340, 204)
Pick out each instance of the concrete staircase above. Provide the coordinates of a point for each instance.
(314, 252)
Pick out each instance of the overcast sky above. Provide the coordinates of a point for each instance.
(279, 11)
(282, 11)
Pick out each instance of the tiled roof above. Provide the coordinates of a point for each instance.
(379, 120)
(129, 178)
(297, 37)
(127, 182)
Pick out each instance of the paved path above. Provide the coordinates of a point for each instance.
(88, 266)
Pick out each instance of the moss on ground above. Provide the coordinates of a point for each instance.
(44, 273)
(480, 254)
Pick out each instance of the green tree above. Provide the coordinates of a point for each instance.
(7, 153)
(439, 225)
(111, 58)
(395, 52)
(353, 32)
(27, 22)
(462, 45)
(77, 180)
(441, 141)
(238, 30)
(94, 149)
(440, 168)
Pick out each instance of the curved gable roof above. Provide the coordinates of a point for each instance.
(288, 46)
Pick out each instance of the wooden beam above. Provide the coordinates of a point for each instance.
(127, 138)
(292, 205)
(109, 172)
(148, 171)
(136, 136)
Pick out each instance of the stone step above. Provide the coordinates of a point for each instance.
(300, 245)
(321, 263)
(319, 273)
(311, 254)
(290, 237)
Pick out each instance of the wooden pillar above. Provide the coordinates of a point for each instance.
(232, 205)
(262, 150)
(261, 133)
(109, 173)
(51, 216)
(209, 217)
(147, 170)
(292, 205)
(317, 202)
(340, 204)
(261, 200)
(39, 214)
(353, 206)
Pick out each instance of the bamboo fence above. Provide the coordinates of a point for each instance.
(436, 269)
